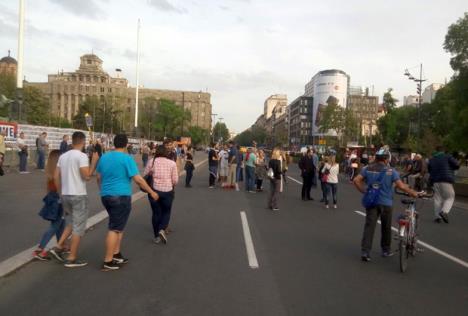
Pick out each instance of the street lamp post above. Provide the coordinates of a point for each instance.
(419, 91)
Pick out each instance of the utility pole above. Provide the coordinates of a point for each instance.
(137, 76)
(419, 91)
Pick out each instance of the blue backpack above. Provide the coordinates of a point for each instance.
(371, 197)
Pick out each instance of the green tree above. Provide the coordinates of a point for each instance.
(255, 133)
(36, 106)
(456, 43)
(198, 135)
(8, 86)
(389, 102)
(221, 132)
(170, 119)
(339, 119)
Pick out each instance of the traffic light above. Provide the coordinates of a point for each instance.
(418, 89)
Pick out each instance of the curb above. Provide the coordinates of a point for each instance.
(12, 264)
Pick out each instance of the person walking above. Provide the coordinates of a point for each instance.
(379, 174)
(52, 210)
(64, 144)
(145, 152)
(213, 165)
(331, 180)
(42, 146)
(223, 156)
(276, 183)
(115, 172)
(307, 167)
(165, 177)
(22, 153)
(240, 167)
(189, 168)
(73, 170)
(323, 178)
(232, 165)
(260, 170)
(250, 161)
(442, 175)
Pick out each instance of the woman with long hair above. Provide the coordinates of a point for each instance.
(164, 173)
(57, 223)
(276, 183)
(332, 170)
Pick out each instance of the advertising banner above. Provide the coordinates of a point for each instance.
(11, 129)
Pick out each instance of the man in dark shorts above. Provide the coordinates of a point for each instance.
(115, 172)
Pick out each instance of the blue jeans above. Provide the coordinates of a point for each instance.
(331, 188)
(239, 173)
(56, 228)
(249, 178)
(23, 161)
(161, 211)
(40, 159)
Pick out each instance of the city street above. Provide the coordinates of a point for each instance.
(308, 259)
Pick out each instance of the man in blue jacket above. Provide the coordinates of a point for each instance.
(441, 171)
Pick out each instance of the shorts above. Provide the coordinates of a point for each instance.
(223, 171)
(76, 211)
(118, 208)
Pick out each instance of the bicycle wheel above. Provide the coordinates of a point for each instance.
(402, 247)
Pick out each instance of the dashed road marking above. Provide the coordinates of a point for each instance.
(253, 262)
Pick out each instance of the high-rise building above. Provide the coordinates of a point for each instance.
(430, 92)
(67, 90)
(300, 121)
(8, 65)
(412, 100)
(366, 111)
(326, 87)
(272, 101)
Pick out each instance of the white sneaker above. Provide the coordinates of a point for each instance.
(162, 235)
(237, 187)
(334, 206)
(326, 206)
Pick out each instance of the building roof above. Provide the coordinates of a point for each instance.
(8, 59)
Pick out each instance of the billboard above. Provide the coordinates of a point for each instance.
(329, 86)
(10, 129)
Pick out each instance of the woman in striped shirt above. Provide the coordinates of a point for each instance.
(165, 177)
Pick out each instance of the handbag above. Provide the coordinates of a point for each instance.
(270, 173)
(325, 173)
(149, 177)
(371, 197)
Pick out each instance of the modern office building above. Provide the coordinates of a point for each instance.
(366, 111)
(67, 90)
(326, 87)
(411, 100)
(430, 91)
(300, 121)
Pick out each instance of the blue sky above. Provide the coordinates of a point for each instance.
(241, 51)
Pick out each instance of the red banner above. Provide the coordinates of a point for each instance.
(10, 128)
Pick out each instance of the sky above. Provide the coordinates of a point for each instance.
(241, 51)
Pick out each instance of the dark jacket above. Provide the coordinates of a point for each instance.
(52, 209)
(63, 147)
(275, 164)
(441, 168)
(306, 164)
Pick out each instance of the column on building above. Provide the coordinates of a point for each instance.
(71, 108)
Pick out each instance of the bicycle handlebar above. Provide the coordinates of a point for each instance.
(421, 194)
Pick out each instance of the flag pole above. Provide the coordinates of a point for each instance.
(137, 75)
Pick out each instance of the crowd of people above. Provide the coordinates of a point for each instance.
(66, 204)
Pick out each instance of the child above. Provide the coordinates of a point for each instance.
(52, 210)
(189, 167)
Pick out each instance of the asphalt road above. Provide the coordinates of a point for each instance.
(308, 264)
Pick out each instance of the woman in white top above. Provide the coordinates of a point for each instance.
(330, 171)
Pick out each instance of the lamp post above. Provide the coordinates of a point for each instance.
(419, 91)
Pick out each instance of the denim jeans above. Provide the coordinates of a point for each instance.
(331, 188)
(188, 176)
(56, 228)
(161, 211)
(249, 178)
(40, 159)
(23, 161)
(239, 173)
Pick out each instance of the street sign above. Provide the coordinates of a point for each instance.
(89, 120)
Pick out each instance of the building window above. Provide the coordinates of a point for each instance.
(88, 61)
(109, 90)
(102, 89)
(87, 88)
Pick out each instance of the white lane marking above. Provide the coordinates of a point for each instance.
(13, 263)
(426, 245)
(297, 181)
(253, 262)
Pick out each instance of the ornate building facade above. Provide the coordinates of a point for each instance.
(67, 90)
(8, 65)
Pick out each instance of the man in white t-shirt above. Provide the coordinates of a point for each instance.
(72, 172)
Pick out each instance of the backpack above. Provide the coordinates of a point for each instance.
(371, 197)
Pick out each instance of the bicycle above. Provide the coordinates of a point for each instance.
(407, 229)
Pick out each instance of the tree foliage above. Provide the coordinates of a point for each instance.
(170, 119)
(221, 132)
(389, 102)
(456, 43)
(255, 133)
(339, 119)
(198, 135)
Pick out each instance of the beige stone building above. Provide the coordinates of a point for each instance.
(67, 90)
